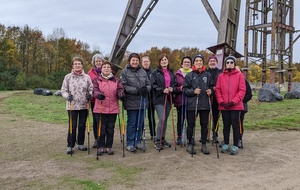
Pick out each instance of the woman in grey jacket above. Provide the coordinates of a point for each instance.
(136, 86)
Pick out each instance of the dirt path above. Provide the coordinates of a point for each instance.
(32, 156)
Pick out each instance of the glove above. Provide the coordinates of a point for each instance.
(70, 98)
(143, 91)
(101, 97)
(222, 104)
(88, 97)
(122, 98)
(230, 104)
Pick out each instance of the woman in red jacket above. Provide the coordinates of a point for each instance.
(107, 91)
(230, 91)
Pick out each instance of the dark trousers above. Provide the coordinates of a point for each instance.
(180, 118)
(241, 128)
(191, 119)
(95, 127)
(107, 127)
(78, 119)
(151, 119)
(231, 118)
(216, 115)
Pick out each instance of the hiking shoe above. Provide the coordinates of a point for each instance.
(82, 147)
(109, 151)
(95, 145)
(178, 141)
(225, 148)
(234, 150)
(221, 144)
(139, 146)
(157, 146)
(69, 150)
(190, 149)
(240, 144)
(166, 144)
(100, 151)
(131, 148)
(204, 149)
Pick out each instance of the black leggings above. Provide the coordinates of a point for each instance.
(231, 118)
(191, 119)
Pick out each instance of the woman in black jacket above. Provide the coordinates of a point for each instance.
(197, 87)
(163, 83)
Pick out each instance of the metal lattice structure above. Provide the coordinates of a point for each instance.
(269, 29)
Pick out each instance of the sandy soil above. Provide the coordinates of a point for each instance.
(32, 156)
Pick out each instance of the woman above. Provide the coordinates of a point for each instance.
(137, 86)
(94, 72)
(163, 82)
(107, 91)
(180, 100)
(230, 91)
(197, 87)
(77, 88)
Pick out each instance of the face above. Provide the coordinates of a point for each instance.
(229, 64)
(77, 65)
(146, 63)
(106, 69)
(198, 63)
(164, 62)
(134, 62)
(98, 62)
(212, 63)
(186, 63)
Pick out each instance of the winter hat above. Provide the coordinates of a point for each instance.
(198, 55)
(99, 56)
(212, 57)
(230, 57)
(134, 55)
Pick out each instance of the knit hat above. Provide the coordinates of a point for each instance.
(212, 57)
(99, 56)
(134, 55)
(230, 57)
(198, 55)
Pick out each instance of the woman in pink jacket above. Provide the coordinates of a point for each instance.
(107, 91)
(230, 91)
(94, 72)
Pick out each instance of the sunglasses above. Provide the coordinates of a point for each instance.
(231, 62)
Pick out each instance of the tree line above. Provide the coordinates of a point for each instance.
(29, 59)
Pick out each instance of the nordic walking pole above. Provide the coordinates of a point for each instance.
(194, 129)
(144, 136)
(173, 121)
(120, 126)
(123, 130)
(163, 122)
(99, 127)
(71, 127)
(211, 122)
(88, 125)
(137, 135)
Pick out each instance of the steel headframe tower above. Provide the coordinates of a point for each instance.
(227, 28)
(271, 23)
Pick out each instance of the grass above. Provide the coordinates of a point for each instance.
(262, 115)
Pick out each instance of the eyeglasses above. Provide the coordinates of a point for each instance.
(231, 62)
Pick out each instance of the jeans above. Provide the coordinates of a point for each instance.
(135, 120)
(163, 114)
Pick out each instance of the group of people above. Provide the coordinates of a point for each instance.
(194, 90)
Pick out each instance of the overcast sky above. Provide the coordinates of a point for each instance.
(172, 23)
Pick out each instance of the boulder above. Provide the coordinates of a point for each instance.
(269, 93)
(39, 91)
(57, 93)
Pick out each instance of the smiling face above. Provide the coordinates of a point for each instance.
(98, 62)
(77, 65)
(212, 63)
(186, 63)
(134, 62)
(106, 69)
(198, 63)
(164, 62)
(146, 63)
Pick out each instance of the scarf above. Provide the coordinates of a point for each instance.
(107, 77)
(201, 70)
(77, 72)
(185, 71)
